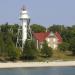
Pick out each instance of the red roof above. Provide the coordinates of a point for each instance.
(59, 37)
(42, 36)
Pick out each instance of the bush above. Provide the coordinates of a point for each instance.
(72, 46)
(64, 46)
(29, 51)
(46, 51)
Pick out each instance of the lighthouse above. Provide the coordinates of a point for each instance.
(24, 31)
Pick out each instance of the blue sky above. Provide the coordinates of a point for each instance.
(44, 12)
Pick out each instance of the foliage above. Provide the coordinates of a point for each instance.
(72, 45)
(58, 28)
(38, 28)
(64, 46)
(1, 45)
(29, 51)
(11, 49)
(8, 37)
(18, 52)
(4, 28)
(12, 52)
(46, 51)
(7, 46)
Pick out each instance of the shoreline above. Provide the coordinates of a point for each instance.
(37, 64)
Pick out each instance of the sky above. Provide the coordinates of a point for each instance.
(43, 12)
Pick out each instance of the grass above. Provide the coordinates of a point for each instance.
(58, 55)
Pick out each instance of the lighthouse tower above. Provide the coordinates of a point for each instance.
(24, 31)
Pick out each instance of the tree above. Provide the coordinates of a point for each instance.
(5, 27)
(1, 45)
(18, 52)
(64, 46)
(72, 45)
(38, 28)
(29, 51)
(46, 51)
(10, 49)
(58, 28)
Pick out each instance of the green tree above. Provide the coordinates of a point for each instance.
(5, 27)
(11, 50)
(38, 28)
(1, 45)
(29, 51)
(58, 28)
(72, 45)
(64, 46)
(46, 51)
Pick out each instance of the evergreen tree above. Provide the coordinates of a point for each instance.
(46, 51)
(29, 51)
(1, 45)
(64, 46)
(72, 46)
(38, 28)
(11, 50)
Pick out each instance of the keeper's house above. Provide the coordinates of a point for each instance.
(53, 39)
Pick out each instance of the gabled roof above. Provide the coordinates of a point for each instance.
(43, 35)
(40, 36)
(59, 37)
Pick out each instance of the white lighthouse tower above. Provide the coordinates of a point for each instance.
(24, 31)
